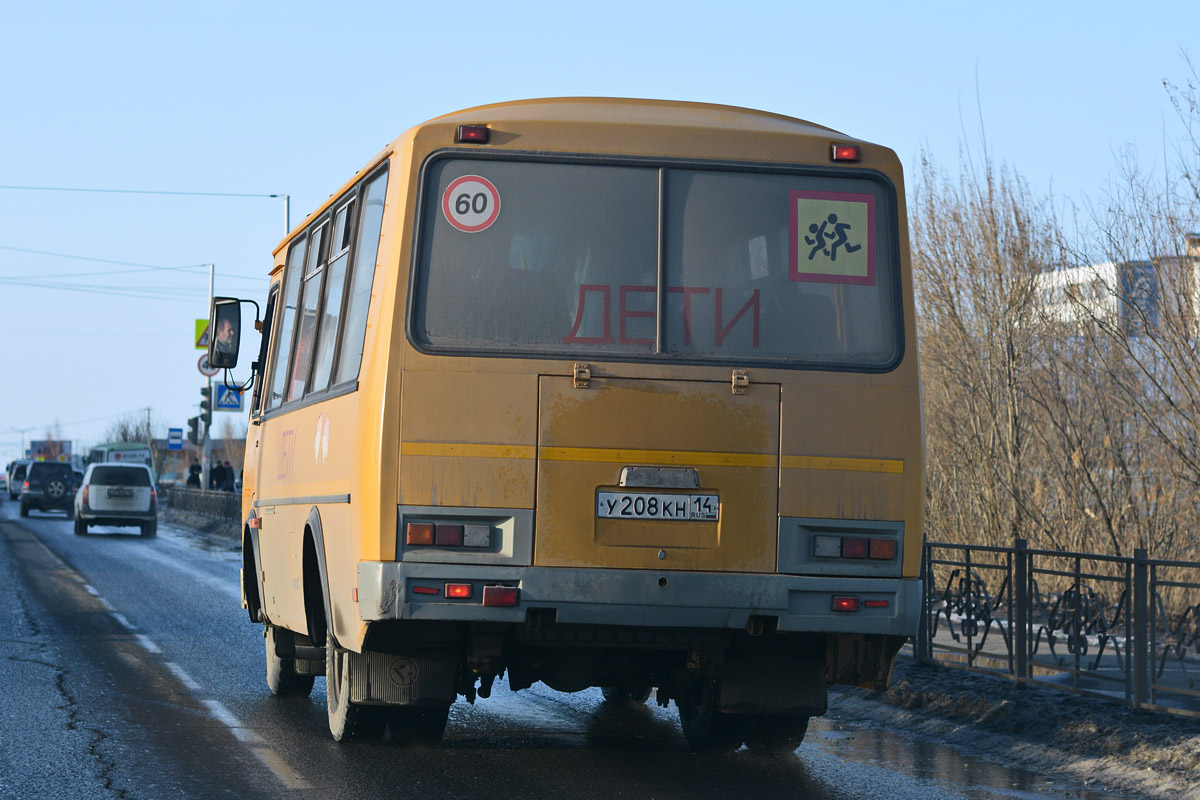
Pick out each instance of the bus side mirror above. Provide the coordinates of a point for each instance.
(225, 326)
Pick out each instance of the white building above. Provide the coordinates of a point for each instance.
(1133, 294)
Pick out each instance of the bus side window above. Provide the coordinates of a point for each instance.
(282, 346)
(314, 272)
(331, 305)
(366, 249)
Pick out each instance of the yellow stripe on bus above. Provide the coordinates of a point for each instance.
(687, 458)
(463, 450)
(887, 465)
(656, 457)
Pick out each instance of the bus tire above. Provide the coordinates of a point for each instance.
(705, 727)
(282, 679)
(421, 725)
(348, 721)
(773, 735)
(615, 695)
(80, 527)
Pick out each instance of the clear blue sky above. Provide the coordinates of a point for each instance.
(262, 98)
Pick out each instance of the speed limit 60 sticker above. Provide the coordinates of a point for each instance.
(471, 203)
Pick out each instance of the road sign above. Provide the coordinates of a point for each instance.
(228, 399)
(174, 438)
(201, 334)
(204, 367)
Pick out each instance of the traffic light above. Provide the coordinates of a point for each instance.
(206, 406)
(194, 430)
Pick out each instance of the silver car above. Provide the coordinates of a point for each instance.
(117, 494)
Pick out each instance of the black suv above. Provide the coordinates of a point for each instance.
(48, 486)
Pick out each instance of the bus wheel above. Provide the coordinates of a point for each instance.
(282, 679)
(418, 724)
(348, 721)
(705, 727)
(774, 735)
(618, 696)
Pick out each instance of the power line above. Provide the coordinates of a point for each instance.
(135, 191)
(141, 267)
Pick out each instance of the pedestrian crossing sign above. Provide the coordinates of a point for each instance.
(228, 398)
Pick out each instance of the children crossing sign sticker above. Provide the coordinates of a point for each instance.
(832, 237)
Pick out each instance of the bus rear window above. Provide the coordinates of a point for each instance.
(577, 260)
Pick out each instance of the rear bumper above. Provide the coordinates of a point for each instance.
(642, 598)
(116, 518)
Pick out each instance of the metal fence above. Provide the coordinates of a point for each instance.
(1125, 628)
(224, 506)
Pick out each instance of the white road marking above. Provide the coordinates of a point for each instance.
(147, 644)
(183, 677)
(283, 771)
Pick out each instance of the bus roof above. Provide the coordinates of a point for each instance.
(606, 112)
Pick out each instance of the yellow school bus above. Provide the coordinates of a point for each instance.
(594, 392)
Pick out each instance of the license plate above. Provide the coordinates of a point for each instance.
(645, 505)
(118, 492)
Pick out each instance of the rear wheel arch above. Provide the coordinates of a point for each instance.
(317, 608)
(251, 572)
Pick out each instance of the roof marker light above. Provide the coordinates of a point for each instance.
(845, 152)
(471, 134)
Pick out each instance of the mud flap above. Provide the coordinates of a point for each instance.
(773, 683)
(389, 679)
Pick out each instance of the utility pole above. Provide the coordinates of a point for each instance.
(206, 450)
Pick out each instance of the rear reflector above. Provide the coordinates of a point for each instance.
(448, 535)
(845, 152)
(845, 604)
(458, 590)
(501, 596)
(472, 134)
(419, 533)
(876, 603)
(854, 547)
(425, 590)
(884, 549)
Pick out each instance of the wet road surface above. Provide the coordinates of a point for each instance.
(129, 670)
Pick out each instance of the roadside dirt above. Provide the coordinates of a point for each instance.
(1099, 742)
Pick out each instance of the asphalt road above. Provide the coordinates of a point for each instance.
(129, 670)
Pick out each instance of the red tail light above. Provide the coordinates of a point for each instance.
(153, 499)
(461, 591)
(87, 490)
(845, 604)
(25, 485)
(854, 547)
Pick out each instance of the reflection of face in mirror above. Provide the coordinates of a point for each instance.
(226, 336)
